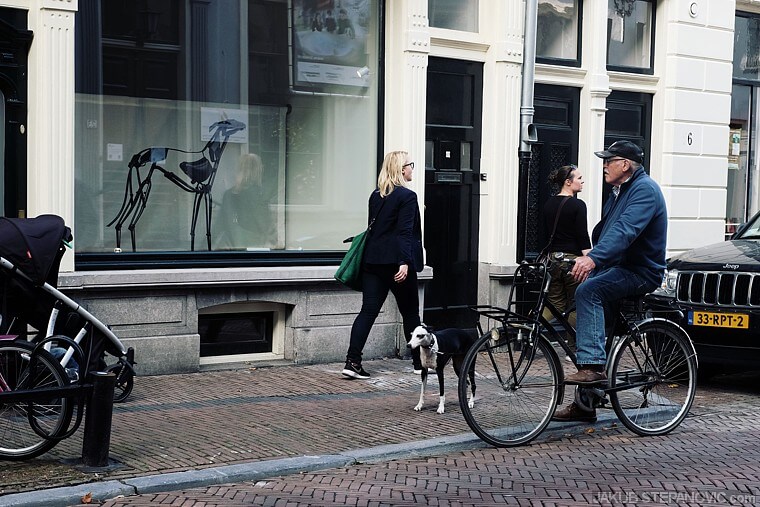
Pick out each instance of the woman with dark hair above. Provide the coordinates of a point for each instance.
(565, 226)
(392, 258)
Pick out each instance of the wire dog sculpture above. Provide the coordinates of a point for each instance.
(201, 172)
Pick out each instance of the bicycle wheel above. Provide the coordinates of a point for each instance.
(17, 438)
(653, 378)
(125, 381)
(517, 388)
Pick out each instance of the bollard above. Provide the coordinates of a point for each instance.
(97, 420)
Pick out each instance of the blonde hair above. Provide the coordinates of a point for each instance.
(250, 170)
(391, 173)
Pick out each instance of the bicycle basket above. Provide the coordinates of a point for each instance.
(526, 293)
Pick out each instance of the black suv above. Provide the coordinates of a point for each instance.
(717, 288)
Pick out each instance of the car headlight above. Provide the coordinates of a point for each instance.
(669, 283)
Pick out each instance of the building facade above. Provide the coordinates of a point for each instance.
(212, 155)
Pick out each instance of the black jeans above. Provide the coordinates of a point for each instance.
(377, 280)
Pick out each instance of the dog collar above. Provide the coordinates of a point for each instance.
(432, 342)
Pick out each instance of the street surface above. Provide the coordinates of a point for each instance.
(254, 416)
(712, 459)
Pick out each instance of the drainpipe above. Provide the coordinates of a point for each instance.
(528, 134)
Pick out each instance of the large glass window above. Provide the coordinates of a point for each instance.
(630, 35)
(249, 125)
(747, 48)
(743, 185)
(558, 29)
(454, 14)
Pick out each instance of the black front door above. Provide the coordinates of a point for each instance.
(452, 179)
(556, 119)
(629, 116)
(15, 41)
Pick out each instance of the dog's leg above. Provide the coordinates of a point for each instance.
(423, 378)
(471, 378)
(441, 395)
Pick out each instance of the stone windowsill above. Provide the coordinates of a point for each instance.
(168, 278)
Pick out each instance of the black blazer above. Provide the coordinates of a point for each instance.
(396, 234)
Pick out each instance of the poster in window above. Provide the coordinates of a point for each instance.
(734, 147)
(330, 45)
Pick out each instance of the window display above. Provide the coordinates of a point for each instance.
(198, 127)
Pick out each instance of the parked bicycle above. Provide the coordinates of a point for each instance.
(651, 366)
(49, 344)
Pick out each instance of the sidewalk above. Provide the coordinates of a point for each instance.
(178, 431)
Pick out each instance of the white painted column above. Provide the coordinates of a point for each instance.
(693, 103)
(502, 86)
(407, 49)
(593, 105)
(50, 121)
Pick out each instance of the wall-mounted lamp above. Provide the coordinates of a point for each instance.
(363, 72)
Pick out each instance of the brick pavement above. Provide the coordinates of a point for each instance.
(196, 421)
(193, 421)
(712, 459)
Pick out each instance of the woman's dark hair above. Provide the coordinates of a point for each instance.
(558, 176)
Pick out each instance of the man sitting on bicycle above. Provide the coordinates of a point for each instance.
(628, 259)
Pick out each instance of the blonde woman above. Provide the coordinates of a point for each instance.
(392, 258)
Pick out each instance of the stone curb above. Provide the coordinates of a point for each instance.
(258, 470)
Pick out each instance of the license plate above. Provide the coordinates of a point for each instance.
(713, 319)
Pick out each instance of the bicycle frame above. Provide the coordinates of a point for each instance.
(625, 319)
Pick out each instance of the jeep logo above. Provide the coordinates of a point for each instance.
(730, 266)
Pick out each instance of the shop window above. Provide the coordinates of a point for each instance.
(558, 32)
(743, 181)
(630, 35)
(459, 15)
(747, 47)
(297, 79)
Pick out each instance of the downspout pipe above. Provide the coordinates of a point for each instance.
(528, 134)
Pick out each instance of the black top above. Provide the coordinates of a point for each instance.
(396, 235)
(571, 235)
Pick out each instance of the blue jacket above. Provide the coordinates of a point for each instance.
(633, 230)
(396, 234)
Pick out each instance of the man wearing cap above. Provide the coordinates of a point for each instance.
(628, 259)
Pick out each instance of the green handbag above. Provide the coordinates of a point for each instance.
(350, 270)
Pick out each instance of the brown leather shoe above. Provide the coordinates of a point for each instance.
(586, 376)
(573, 412)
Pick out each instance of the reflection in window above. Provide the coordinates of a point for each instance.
(629, 34)
(454, 14)
(747, 48)
(163, 73)
(557, 29)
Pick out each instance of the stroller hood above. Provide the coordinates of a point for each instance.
(33, 245)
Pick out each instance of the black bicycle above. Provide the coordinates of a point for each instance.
(651, 366)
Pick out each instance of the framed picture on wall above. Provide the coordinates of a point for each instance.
(330, 46)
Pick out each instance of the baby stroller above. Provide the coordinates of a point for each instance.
(48, 343)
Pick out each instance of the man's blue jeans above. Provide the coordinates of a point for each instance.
(596, 297)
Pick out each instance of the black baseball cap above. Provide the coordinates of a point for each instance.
(624, 149)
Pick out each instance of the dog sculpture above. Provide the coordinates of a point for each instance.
(436, 350)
